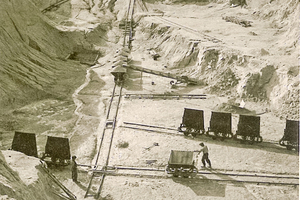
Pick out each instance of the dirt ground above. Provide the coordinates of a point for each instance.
(91, 100)
(225, 155)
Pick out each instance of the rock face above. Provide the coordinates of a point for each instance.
(28, 182)
(32, 54)
(262, 72)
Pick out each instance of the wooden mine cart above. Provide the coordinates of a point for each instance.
(248, 129)
(192, 122)
(58, 149)
(290, 138)
(181, 163)
(25, 143)
(220, 125)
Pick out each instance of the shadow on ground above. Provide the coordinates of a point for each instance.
(203, 186)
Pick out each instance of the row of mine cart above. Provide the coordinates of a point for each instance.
(57, 149)
(248, 128)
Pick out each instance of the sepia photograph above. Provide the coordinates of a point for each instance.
(149, 99)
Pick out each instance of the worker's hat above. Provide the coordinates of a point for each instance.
(201, 143)
(74, 157)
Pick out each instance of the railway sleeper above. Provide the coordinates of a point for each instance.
(289, 145)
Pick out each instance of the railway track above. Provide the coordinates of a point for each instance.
(103, 154)
(206, 175)
(205, 36)
(150, 128)
(180, 79)
(101, 168)
(174, 131)
(165, 96)
(102, 158)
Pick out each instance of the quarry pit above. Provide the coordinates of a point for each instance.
(56, 81)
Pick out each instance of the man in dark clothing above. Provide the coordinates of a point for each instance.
(205, 154)
(74, 168)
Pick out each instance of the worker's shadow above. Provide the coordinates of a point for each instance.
(79, 184)
(84, 188)
(203, 186)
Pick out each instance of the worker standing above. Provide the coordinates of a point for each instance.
(205, 158)
(74, 169)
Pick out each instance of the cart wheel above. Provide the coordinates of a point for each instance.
(182, 128)
(281, 142)
(207, 132)
(230, 135)
(167, 169)
(194, 134)
(252, 139)
(193, 172)
(248, 138)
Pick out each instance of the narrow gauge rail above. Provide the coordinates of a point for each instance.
(239, 173)
(102, 158)
(181, 79)
(165, 96)
(160, 127)
(210, 175)
(151, 128)
(166, 130)
(207, 37)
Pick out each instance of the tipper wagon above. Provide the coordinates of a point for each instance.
(182, 163)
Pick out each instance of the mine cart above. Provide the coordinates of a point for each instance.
(220, 125)
(192, 122)
(58, 149)
(248, 129)
(290, 138)
(25, 143)
(119, 74)
(181, 163)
